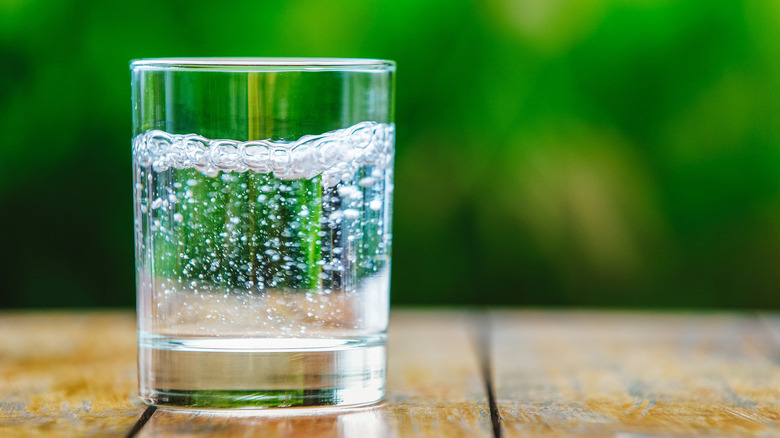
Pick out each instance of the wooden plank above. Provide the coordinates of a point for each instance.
(602, 374)
(435, 388)
(67, 374)
(435, 384)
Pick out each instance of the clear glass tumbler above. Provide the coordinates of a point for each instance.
(263, 191)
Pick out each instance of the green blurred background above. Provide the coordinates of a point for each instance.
(582, 153)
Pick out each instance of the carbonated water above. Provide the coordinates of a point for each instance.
(263, 267)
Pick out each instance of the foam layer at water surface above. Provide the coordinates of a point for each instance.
(333, 155)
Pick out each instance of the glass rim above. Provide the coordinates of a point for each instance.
(253, 64)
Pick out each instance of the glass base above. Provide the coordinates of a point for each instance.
(261, 373)
(263, 399)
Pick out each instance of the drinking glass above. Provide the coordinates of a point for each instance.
(263, 191)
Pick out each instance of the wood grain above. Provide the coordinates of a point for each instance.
(67, 374)
(602, 374)
(435, 388)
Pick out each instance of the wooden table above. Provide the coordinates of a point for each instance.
(451, 374)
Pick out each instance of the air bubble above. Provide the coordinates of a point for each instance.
(346, 191)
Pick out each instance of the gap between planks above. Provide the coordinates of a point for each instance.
(483, 347)
(142, 420)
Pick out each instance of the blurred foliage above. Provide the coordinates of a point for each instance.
(592, 152)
